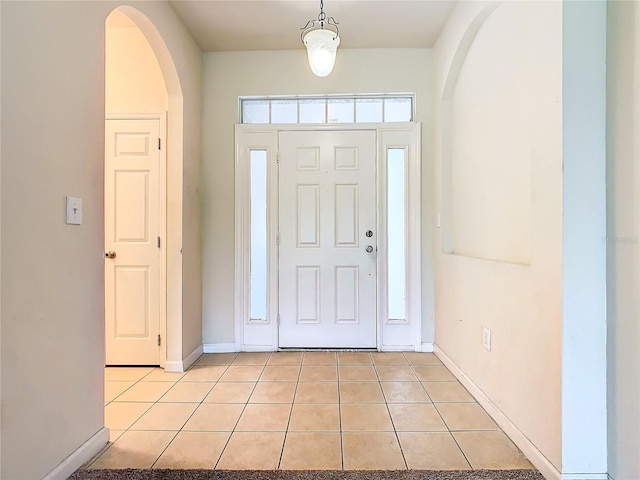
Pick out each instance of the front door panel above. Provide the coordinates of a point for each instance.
(327, 203)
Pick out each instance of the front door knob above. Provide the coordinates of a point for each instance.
(369, 249)
(110, 254)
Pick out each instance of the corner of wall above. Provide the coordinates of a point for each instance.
(584, 253)
(623, 238)
(183, 366)
(1, 413)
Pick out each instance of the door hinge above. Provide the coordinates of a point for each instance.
(159, 341)
(158, 143)
(158, 242)
(278, 157)
(278, 319)
(278, 239)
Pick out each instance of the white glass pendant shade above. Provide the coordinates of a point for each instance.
(321, 46)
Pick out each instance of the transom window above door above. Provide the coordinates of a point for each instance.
(327, 109)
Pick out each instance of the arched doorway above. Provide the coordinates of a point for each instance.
(143, 194)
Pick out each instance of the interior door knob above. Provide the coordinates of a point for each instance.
(110, 254)
(369, 248)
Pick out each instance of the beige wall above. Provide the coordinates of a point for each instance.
(52, 274)
(623, 233)
(52, 283)
(229, 75)
(498, 186)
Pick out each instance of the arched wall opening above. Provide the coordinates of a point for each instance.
(154, 87)
(448, 91)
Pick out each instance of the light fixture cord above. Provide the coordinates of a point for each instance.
(322, 19)
(322, 16)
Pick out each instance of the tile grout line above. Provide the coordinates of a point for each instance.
(460, 448)
(421, 383)
(233, 430)
(195, 364)
(142, 414)
(386, 404)
(286, 431)
(452, 436)
(130, 386)
(110, 444)
(340, 413)
(165, 448)
(158, 401)
(175, 382)
(439, 414)
(194, 410)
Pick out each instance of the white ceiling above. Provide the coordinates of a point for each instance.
(227, 25)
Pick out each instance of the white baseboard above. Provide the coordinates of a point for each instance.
(192, 357)
(397, 348)
(182, 366)
(232, 347)
(258, 348)
(585, 476)
(535, 456)
(427, 347)
(82, 455)
(173, 366)
(219, 348)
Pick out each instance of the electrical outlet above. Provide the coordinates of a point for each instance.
(486, 338)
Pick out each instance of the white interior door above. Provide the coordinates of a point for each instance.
(327, 207)
(132, 232)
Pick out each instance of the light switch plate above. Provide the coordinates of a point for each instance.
(74, 211)
(486, 338)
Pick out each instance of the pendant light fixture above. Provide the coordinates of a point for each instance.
(321, 38)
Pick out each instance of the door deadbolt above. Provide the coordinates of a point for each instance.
(110, 254)
(369, 234)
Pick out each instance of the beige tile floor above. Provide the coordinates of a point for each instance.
(294, 410)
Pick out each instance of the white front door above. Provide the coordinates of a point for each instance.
(328, 246)
(132, 229)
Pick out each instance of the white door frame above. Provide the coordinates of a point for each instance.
(262, 335)
(162, 225)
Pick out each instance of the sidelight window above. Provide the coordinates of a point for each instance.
(258, 282)
(396, 237)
